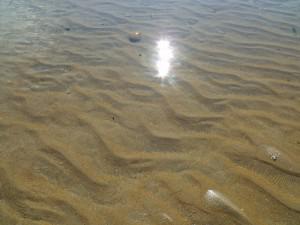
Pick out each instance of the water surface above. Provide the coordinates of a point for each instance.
(198, 123)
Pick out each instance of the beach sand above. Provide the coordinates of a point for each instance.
(195, 123)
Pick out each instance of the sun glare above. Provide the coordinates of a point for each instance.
(165, 55)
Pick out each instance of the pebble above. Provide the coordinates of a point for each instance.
(135, 37)
(274, 157)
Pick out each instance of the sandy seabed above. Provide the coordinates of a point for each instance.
(93, 133)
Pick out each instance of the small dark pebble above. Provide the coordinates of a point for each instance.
(140, 54)
(67, 29)
(113, 118)
(298, 142)
(135, 37)
(294, 30)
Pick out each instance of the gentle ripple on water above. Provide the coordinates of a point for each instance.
(197, 122)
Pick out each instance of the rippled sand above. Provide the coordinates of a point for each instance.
(91, 135)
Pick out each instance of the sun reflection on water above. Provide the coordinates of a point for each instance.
(165, 55)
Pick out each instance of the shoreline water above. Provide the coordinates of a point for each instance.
(195, 123)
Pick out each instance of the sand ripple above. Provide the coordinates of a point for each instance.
(90, 135)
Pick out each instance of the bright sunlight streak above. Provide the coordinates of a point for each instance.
(165, 54)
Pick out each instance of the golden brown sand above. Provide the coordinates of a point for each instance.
(89, 135)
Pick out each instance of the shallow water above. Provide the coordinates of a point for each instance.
(198, 123)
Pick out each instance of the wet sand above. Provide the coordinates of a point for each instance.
(92, 133)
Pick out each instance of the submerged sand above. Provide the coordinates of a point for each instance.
(89, 135)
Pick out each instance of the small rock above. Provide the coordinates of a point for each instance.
(135, 37)
(140, 54)
(294, 30)
(274, 157)
(67, 29)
